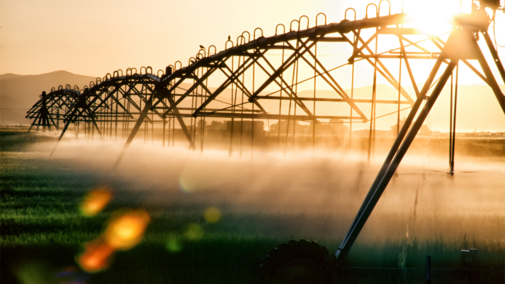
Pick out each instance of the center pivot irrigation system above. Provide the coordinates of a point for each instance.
(258, 78)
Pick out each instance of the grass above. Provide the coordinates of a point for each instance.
(42, 231)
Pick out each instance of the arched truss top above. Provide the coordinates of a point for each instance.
(112, 97)
(345, 26)
(249, 70)
(61, 98)
(298, 47)
(248, 76)
(117, 98)
(46, 111)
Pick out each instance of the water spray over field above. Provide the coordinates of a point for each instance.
(207, 209)
(324, 187)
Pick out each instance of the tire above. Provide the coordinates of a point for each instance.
(299, 262)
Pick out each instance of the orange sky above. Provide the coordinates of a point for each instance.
(96, 37)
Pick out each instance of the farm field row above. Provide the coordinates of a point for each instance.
(262, 203)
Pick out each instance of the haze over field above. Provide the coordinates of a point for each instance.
(329, 185)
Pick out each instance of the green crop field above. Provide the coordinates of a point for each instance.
(261, 204)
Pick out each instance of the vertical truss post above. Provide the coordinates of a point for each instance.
(135, 129)
(314, 105)
(164, 127)
(116, 118)
(350, 107)
(175, 110)
(371, 135)
(452, 126)
(252, 119)
(58, 119)
(232, 122)
(399, 90)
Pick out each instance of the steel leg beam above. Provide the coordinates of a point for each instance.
(494, 53)
(135, 129)
(403, 131)
(393, 161)
(26, 135)
(491, 81)
(175, 110)
(65, 129)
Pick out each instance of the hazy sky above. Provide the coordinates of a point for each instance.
(95, 37)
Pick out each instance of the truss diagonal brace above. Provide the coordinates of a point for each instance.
(240, 70)
(198, 82)
(491, 81)
(135, 129)
(175, 110)
(288, 89)
(241, 85)
(333, 83)
(387, 75)
(395, 156)
(291, 60)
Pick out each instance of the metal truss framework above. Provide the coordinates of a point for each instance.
(108, 106)
(113, 103)
(46, 111)
(239, 69)
(462, 45)
(259, 79)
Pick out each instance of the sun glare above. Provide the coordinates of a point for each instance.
(433, 17)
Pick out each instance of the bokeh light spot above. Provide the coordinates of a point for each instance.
(32, 272)
(174, 245)
(193, 232)
(189, 183)
(71, 275)
(212, 215)
(96, 256)
(127, 229)
(95, 201)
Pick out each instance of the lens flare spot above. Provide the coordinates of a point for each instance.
(198, 176)
(193, 232)
(174, 245)
(189, 183)
(212, 215)
(95, 201)
(71, 275)
(96, 256)
(127, 229)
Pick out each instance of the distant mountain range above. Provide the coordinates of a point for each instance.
(18, 93)
(477, 107)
